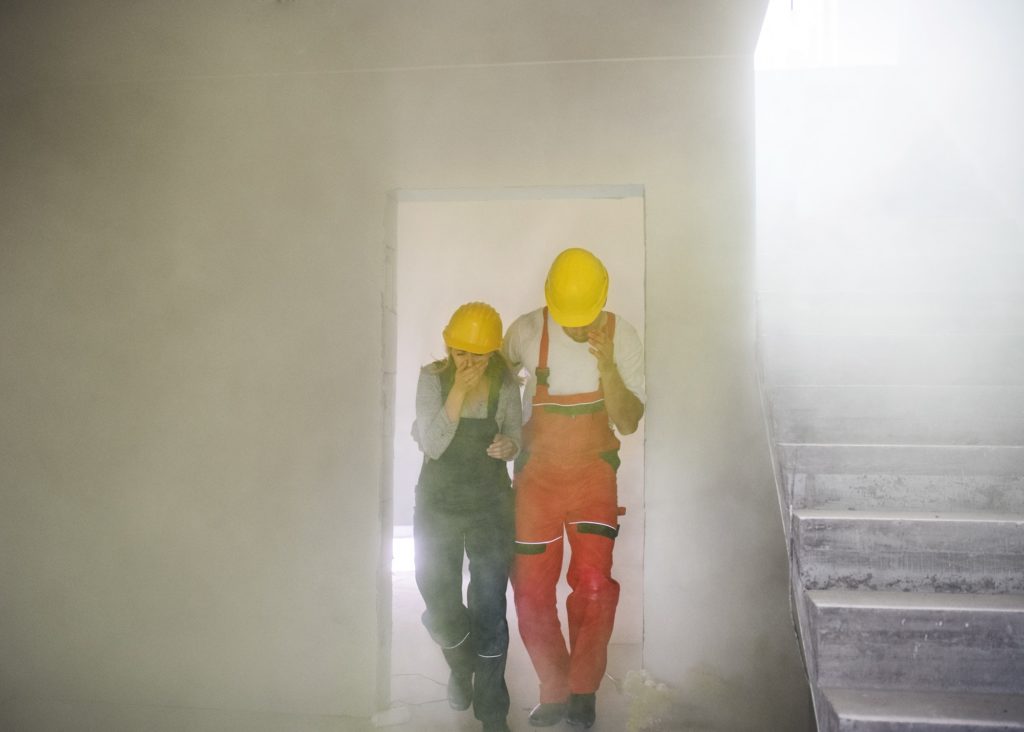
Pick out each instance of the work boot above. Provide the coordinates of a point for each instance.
(496, 725)
(582, 712)
(545, 715)
(460, 691)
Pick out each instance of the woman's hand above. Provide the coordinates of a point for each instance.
(502, 447)
(468, 373)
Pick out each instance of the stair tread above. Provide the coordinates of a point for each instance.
(952, 460)
(908, 414)
(876, 515)
(922, 706)
(916, 600)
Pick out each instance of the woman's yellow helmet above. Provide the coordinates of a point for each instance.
(474, 327)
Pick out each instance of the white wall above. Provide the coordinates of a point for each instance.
(193, 212)
(890, 190)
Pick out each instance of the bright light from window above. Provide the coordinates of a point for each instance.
(403, 554)
(809, 34)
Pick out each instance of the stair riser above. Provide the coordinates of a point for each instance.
(943, 493)
(898, 415)
(799, 266)
(953, 461)
(931, 556)
(903, 313)
(837, 359)
(937, 650)
(860, 725)
(860, 710)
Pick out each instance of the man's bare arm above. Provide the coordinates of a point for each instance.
(624, 407)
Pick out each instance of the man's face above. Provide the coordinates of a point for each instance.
(581, 333)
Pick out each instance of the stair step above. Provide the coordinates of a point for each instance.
(964, 264)
(962, 478)
(950, 460)
(898, 415)
(873, 710)
(915, 359)
(967, 493)
(896, 313)
(918, 641)
(900, 551)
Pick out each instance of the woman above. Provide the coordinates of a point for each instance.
(468, 424)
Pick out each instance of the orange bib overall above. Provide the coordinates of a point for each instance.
(565, 486)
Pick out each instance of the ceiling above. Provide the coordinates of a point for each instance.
(49, 42)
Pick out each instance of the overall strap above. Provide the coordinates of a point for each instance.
(542, 357)
(495, 374)
(542, 371)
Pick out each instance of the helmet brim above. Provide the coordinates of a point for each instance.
(576, 319)
(468, 347)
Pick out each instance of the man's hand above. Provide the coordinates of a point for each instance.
(603, 349)
(624, 408)
(502, 447)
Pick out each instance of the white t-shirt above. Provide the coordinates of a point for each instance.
(573, 367)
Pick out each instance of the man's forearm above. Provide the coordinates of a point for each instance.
(624, 408)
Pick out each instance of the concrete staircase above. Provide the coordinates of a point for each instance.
(907, 560)
(897, 426)
(891, 347)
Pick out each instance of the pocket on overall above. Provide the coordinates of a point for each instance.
(612, 458)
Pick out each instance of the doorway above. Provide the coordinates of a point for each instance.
(454, 246)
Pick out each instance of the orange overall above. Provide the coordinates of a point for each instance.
(565, 486)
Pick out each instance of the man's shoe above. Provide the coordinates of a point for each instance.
(545, 715)
(582, 712)
(460, 691)
(499, 725)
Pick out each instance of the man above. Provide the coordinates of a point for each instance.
(585, 379)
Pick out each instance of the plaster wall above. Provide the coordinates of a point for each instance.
(192, 278)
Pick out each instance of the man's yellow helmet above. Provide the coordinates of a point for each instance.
(576, 288)
(474, 327)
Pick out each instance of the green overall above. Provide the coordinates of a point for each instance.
(464, 503)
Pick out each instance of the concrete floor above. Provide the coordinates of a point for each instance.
(420, 675)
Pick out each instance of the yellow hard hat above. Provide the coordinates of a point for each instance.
(576, 288)
(474, 327)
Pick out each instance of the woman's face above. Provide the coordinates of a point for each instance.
(467, 358)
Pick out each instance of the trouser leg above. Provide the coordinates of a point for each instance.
(489, 547)
(591, 531)
(534, 578)
(590, 608)
(439, 548)
(536, 569)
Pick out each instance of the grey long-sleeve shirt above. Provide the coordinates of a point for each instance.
(433, 430)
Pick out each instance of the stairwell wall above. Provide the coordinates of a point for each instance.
(194, 210)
